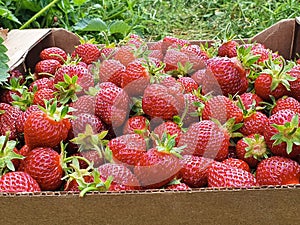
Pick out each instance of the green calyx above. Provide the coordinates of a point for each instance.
(256, 148)
(67, 89)
(91, 141)
(288, 133)
(55, 112)
(246, 57)
(279, 69)
(182, 70)
(7, 154)
(25, 100)
(167, 144)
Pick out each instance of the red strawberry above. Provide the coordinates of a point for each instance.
(222, 175)
(173, 57)
(192, 103)
(222, 108)
(84, 104)
(260, 49)
(197, 57)
(43, 164)
(23, 117)
(8, 121)
(125, 54)
(14, 88)
(137, 124)
(87, 52)
(172, 41)
(135, 78)
(171, 82)
(281, 133)
(286, 103)
(41, 95)
(112, 105)
(278, 170)
(18, 182)
(178, 187)
(111, 71)
(128, 149)
(46, 128)
(54, 53)
(188, 84)
(228, 48)
(169, 127)
(107, 53)
(123, 178)
(194, 170)
(46, 68)
(42, 83)
(160, 101)
(16, 74)
(159, 165)
(250, 99)
(295, 85)
(252, 149)
(226, 74)
(254, 123)
(237, 163)
(207, 139)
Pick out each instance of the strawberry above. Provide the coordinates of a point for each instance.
(42, 83)
(274, 80)
(125, 54)
(47, 128)
(43, 164)
(112, 105)
(135, 78)
(225, 75)
(123, 178)
(252, 149)
(188, 84)
(54, 53)
(14, 88)
(286, 103)
(278, 170)
(222, 175)
(8, 121)
(160, 101)
(18, 182)
(221, 108)
(197, 57)
(107, 52)
(237, 163)
(41, 95)
(172, 41)
(173, 58)
(16, 74)
(84, 104)
(88, 52)
(159, 165)
(127, 149)
(254, 123)
(207, 139)
(169, 127)
(250, 99)
(228, 49)
(295, 85)
(46, 68)
(137, 124)
(193, 170)
(23, 117)
(82, 119)
(171, 82)
(282, 133)
(178, 187)
(111, 71)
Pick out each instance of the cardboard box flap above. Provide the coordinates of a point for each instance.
(279, 37)
(20, 42)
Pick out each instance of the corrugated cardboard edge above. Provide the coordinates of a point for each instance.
(263, 205)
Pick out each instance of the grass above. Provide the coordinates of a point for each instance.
(152, 19)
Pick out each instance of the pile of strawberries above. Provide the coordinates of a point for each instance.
(169, 114)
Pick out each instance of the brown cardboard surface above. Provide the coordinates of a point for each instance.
(278, 205)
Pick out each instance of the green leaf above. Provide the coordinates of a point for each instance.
(93, 24)
(6, 13)
(79, 2)
(119, 27)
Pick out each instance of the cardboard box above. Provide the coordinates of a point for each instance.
(258, 205)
